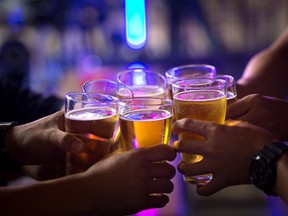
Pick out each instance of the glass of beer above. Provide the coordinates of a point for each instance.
(231, 87)
(201, 99)
(93, 118)
(143, 83)
(188, 71)
(145, 122)
(107, 87)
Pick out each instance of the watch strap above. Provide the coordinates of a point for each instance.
(267, 157)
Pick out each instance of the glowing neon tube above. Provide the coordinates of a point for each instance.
(135, 16)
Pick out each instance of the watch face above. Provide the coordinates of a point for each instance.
(263, 174)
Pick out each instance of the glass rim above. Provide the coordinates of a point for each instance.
(96, 80)
(164, 101)
(226, 77)
(181, 67)
(68, 96)
(211, 80)
(139, 69)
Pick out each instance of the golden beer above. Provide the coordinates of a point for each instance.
(144, 128)
(96, 125)
(207, 105)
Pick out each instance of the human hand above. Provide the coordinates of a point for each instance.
(125, 181)
(267, 112)
(227, 151)
(42, 142)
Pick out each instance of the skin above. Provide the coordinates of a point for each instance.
(116, 185)
(43, 142)
(267, 112)
(282, 175)
(265, 73)
(227, 151)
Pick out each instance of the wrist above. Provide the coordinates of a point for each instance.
(6, 161)
(263, 171)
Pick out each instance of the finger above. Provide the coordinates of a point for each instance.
(161, 186)
(215, 185)
(60, 120)
(190, 146)
(238, 108)
(192, 125)
(157, 201)
(163, 170)
(159, 152)
(199, 168)
(67, 142)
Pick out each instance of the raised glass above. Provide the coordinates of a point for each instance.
(93, 118)
(143, 83)
(188, 71)
(201, 99)
(145, 122)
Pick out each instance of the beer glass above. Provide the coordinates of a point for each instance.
(93, 118)
(188, 71)
(107, 87)
(143, 83)
(231, 87)
(202, 99)
(144, 122)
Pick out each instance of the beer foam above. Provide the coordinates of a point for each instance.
(199, 95)
(90, 113)
(146, 115)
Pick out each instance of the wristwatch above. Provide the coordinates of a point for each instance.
(6, 164)
(263, 170)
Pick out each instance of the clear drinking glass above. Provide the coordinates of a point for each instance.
(145, 122)
(93, 118)
(231, 87)
(143, 83)
(202, 99)
(107, 87)
(188, 71)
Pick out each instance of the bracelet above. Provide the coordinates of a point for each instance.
(6, 163)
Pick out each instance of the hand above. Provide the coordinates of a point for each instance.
(42, 142)
(227, 151)
(127, 180)
(267, 112)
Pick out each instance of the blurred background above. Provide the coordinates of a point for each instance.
(57, 45)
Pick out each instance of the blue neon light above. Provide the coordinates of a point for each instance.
(135, 15)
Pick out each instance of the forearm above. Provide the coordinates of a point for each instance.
(282, 178)
(65, 196)
(265, 74)
(266, 71)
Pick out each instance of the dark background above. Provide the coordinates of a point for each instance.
(79, 39)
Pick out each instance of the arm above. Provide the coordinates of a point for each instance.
(266, 112)
(42, 142)
(123, 180)
(266, 73)
(227, 151)
(282, 178)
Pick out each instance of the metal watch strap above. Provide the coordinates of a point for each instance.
(6, 164)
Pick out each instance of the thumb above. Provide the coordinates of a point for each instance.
(68, 142)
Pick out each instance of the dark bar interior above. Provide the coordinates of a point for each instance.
(54, 46)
